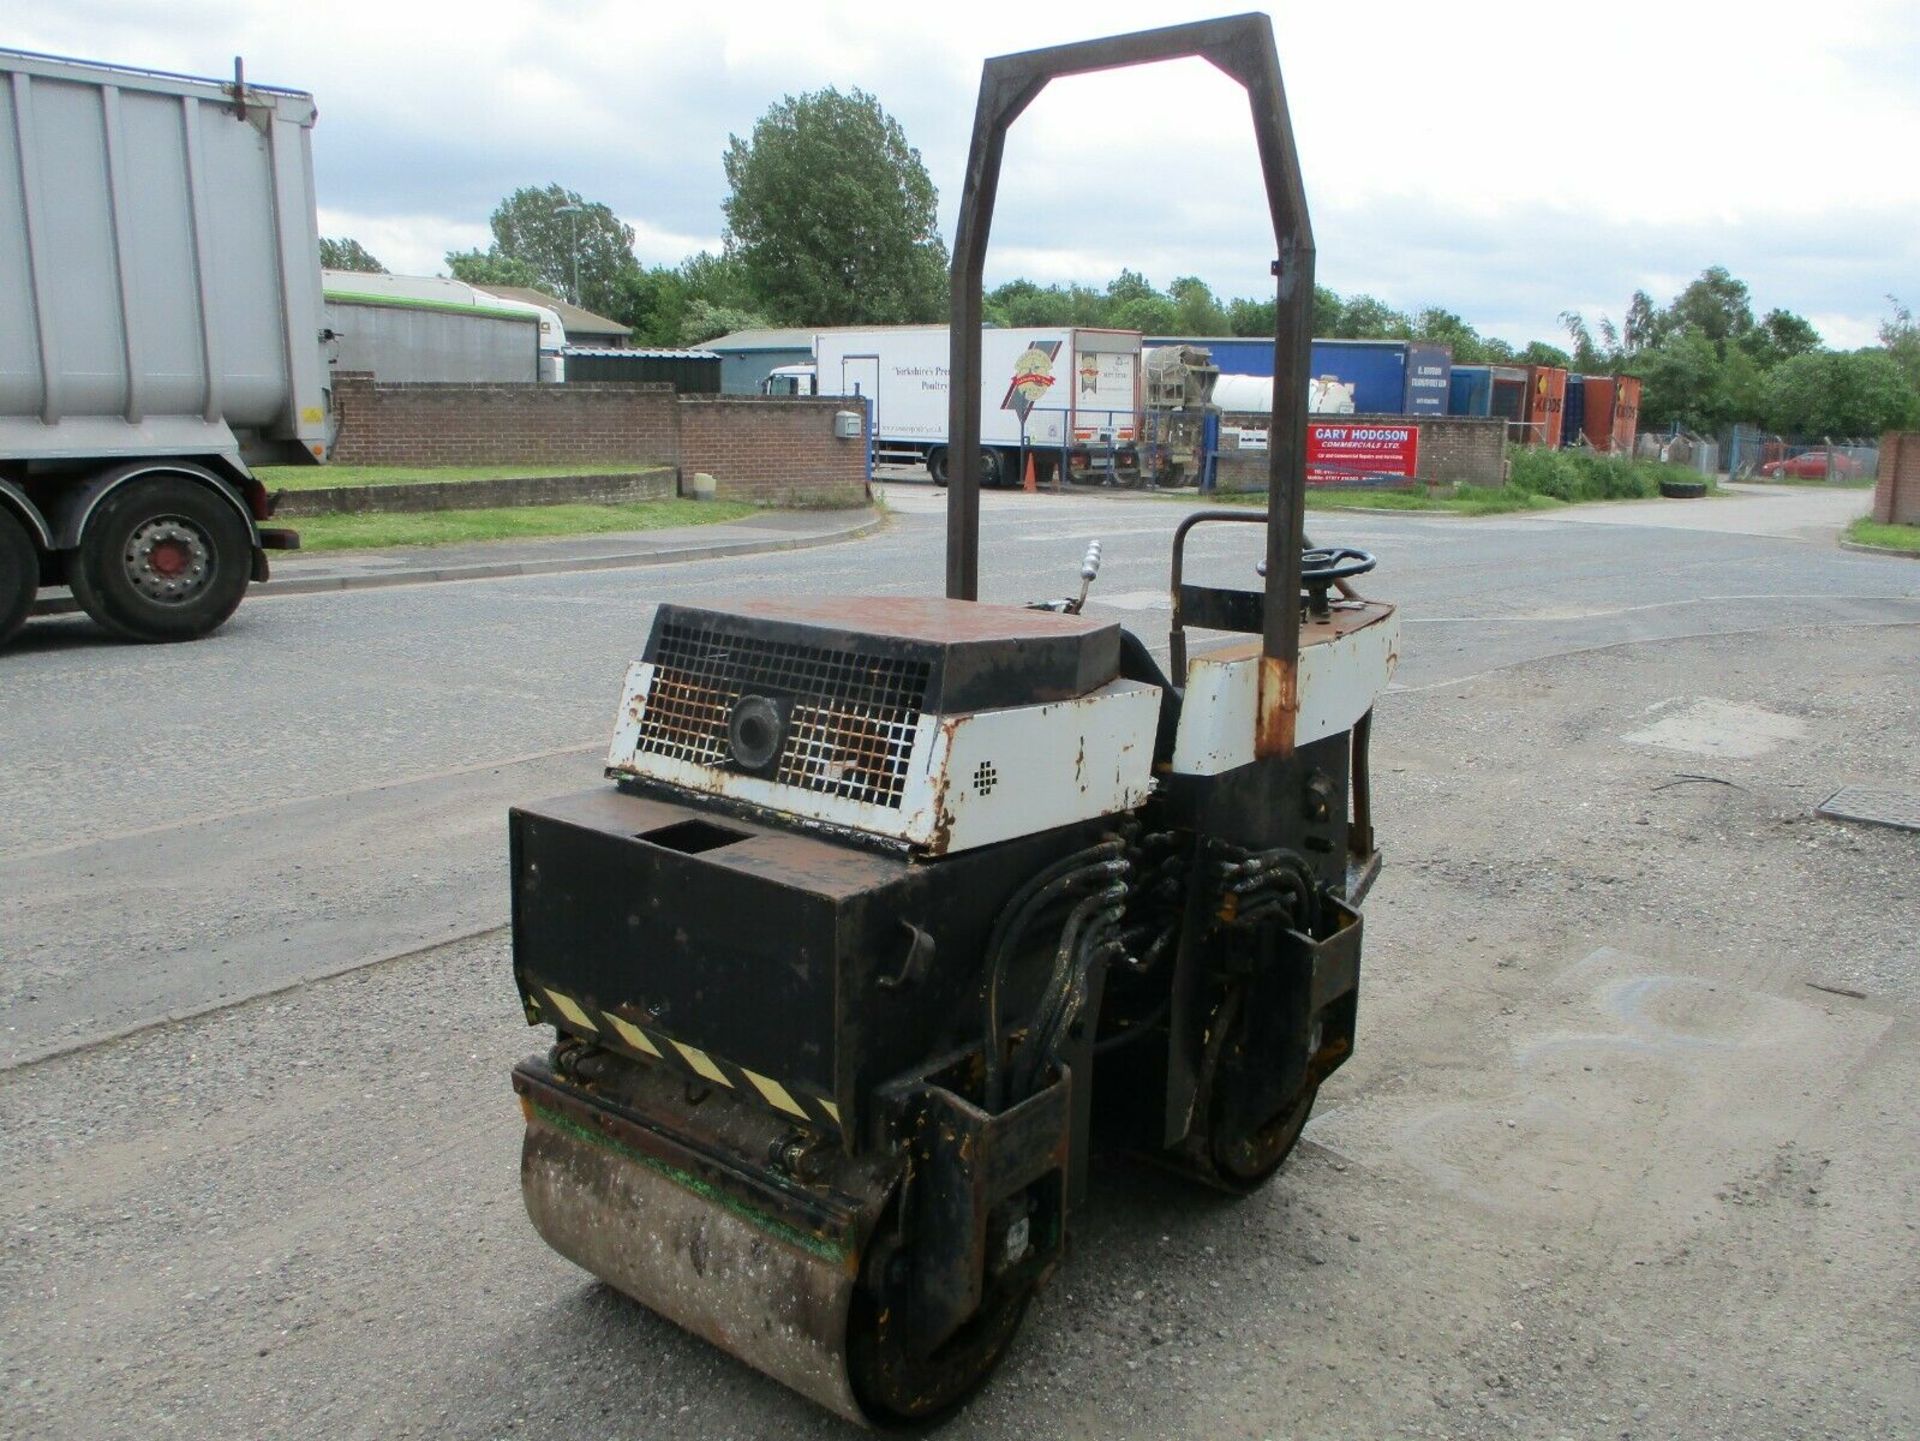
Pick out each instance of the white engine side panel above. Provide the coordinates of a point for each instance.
(1339, 681)
(974, 778)
(1014, 772)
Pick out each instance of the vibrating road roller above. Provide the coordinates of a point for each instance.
(898, 910)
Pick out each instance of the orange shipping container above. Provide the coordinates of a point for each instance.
(1596, 418)
(1546, 398)
(1626, 413)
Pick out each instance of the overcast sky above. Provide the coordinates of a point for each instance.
(1506, 162)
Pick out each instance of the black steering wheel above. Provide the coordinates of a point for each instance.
(1324, 564)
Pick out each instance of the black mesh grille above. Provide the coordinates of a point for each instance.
(850, 715)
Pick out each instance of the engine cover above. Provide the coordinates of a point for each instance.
(938, 725)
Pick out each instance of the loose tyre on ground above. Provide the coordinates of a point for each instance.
(163, 558)
(19, 575)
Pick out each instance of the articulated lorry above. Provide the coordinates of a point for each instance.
(160, 330)
(1066, 395)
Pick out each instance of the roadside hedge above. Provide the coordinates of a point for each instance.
(1581, 475)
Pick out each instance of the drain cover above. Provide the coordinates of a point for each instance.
(1900, 809)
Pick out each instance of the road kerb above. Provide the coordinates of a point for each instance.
(512, 569)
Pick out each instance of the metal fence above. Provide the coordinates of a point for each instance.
(1755, 454)
(1679, 447)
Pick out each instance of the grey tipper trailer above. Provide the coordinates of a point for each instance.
(160, 329)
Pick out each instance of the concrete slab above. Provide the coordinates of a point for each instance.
(1791, 512)
(1710, 727)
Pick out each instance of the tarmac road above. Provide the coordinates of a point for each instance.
(1627, 1146)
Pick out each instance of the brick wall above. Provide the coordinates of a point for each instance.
(614, 488)
(775, 449)
(1463, 450)
(1454, 449)
(478, 424)
(1896, 494)
(779, 450)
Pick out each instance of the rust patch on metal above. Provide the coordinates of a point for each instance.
(1279, 708)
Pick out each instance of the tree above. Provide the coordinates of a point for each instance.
(719, 279)
(654, 302)
(1643, 326)
(1901, 337)
(1716, 305)
(1129, 286)
(1326, 311)
(1251, 317)
(1443, 327)
(1196, 312)
(1831, 393)
(1779, 336)
(1679, 383)
(346, 253)
(1148, 314)
(529, 226)
(490, 267)
(1021, 302)
(704, 320)
(832, 214)
(1538, 352)
(1587, 355)
(1365, 318)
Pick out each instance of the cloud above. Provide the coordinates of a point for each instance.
(1504, 171)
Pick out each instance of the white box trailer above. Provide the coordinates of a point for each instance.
(1068, 395)
(160, 328)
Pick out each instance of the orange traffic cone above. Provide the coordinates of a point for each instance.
(1028, 482)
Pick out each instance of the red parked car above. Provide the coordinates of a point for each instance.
(1812, 465)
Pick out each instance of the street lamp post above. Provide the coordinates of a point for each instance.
(572, 212)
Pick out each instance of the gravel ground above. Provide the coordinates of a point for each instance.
(1627, 1149)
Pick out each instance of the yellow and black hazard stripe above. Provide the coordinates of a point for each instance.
(546, 1005)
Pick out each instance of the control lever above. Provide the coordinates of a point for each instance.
(1070, 605)
(1089, 568)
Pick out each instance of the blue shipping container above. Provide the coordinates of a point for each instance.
(1470, 390)
(1573, 414)
(1387, 377)
(1371, 374)
(1429, 372)
(1232, 354)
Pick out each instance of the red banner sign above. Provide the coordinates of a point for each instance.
(1377, 455)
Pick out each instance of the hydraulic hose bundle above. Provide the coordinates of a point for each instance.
(1097, 886)
(1256, 887)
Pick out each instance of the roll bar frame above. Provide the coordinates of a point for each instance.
(1241, 47)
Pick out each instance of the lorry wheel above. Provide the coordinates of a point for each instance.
(993, 468)
(162, 559)
(937, 464)
(19, 575)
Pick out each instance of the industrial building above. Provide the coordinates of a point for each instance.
(746, 356)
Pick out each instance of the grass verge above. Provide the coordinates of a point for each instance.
(324, 477)
(1537, 480)
(1893, 537)
(1850, 482)
(1465, 500)
(452, 527)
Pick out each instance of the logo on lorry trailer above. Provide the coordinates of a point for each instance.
(1032, 377)
(1370, 455)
